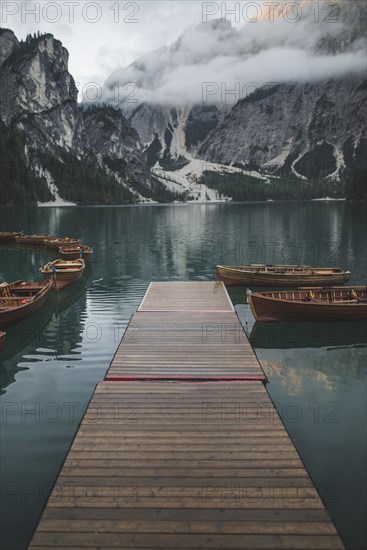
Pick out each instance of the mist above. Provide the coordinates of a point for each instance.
(216, 61)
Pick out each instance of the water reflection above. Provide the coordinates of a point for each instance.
(30, 331)
(135, 245)
(46, 335)
(307, 335)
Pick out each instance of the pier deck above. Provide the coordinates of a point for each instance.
(185, 330)
(177, 454)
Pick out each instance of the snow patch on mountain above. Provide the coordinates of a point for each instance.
(58, 201)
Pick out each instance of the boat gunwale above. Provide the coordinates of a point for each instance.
(76, 268)
(263, 296)
(302, 270)
(43, 290)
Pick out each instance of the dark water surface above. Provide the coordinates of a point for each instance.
(52, 362)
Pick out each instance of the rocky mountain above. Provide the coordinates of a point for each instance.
(52, 148)
(280, 100)
(274, 108)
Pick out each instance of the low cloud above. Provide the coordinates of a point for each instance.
(216, 57)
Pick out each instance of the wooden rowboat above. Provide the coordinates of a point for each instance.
(2, 340)
(75, 252)
(9, 236)
(317, 304)
(33, 240)
(280, 275)
(21, 299)
(63, 272)
(58, 242)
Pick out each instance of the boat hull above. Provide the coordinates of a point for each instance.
(57, 243)
(2, 340)
(9, 237)
(61, 280)
(14, 315)
(258, 279)
(63, 273)
(269, 309)
(31, 240)
(74, 254)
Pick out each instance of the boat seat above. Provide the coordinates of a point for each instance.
(8, 304)
(312, 298)
(5, 292)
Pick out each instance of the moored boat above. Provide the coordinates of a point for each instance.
(316, 304)
(2, 340)
(33, 240)
(63, 272)
(21, 299)
(59, 242)
(75, 252)
(9, 236)
(280, 275)
(49, 238)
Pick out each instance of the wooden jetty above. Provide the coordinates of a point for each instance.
(180, 448)
(185, 331)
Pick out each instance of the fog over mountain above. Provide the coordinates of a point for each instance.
(316, 46)
(282, 95)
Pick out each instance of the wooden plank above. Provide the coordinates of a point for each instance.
(185, 541)
(186, 296)
(193, 526)
(185, 345)
(230, 489)
(195, 458)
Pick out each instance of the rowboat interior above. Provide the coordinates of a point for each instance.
(346, 295)
(19, 293)
(63, 266)
(57, 243)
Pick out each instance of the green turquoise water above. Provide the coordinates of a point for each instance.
(52, 361)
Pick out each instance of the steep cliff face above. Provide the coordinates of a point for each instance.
(38, 103)
(8, 41)
(39, 94)
(311, 131)
(109, 136)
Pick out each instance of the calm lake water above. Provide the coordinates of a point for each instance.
(52, 362)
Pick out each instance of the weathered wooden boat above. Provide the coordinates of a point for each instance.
(280, 275)
(21, 299)
(32, 240)
(9, 236)
(316, 304)
(2, 340)
(62, 241)
(63, 272)
(49, 238)
(75, 252)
